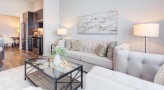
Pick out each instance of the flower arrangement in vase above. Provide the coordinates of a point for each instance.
(60, 54)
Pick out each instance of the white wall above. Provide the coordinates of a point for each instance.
(130, 12)
(51, 23)
(9, 25)
(37, 5)
(15, 8)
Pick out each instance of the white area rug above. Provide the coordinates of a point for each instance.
(13, 79)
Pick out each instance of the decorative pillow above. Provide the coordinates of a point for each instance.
(77, 45)
(159, 77)
(61, 43)
(68, 44)
(111, 46)
(101, 49)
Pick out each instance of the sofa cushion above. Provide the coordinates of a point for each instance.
(121, 79)
(159, 77)
(77, 45)
(94, 82)
(74, 54)
(90, 58)
(118, 77)
(95, 59)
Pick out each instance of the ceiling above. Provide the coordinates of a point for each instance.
(31, 1)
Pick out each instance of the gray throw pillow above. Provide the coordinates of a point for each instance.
(159, 77)
(111, 46)
(77, 45)
(101, 49)
(68, 44)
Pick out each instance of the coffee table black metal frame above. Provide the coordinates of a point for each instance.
(79, 69)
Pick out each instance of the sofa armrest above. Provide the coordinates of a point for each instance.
(52, 47)
(122, 46)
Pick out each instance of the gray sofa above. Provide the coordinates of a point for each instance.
(132, 71)
(88, 58)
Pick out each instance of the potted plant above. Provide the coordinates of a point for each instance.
(59, 54)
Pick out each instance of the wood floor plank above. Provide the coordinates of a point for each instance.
(15, 57)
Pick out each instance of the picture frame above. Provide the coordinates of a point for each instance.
(101, 23)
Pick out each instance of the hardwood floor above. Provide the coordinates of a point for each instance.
(14, 57)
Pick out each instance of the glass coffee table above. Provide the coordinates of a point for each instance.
(42, 73)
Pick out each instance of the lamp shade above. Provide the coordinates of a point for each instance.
(18, 30)
(61, 31)
(148, 30)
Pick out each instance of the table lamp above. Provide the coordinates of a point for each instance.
(18, 31)
(61, 32)
(146, 30)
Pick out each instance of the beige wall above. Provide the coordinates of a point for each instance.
(9, 25)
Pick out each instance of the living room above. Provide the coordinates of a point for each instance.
(136, 55)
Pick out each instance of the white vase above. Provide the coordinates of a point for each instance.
(57, 60)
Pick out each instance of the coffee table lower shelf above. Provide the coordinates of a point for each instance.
(64, 83)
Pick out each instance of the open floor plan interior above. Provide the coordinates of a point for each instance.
(81, 45)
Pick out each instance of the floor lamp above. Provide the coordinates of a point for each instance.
(146, 30)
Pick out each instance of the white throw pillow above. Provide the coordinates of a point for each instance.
(32, 88)
(159, 77)
(61, 43)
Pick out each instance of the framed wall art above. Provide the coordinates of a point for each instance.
(102, 23)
